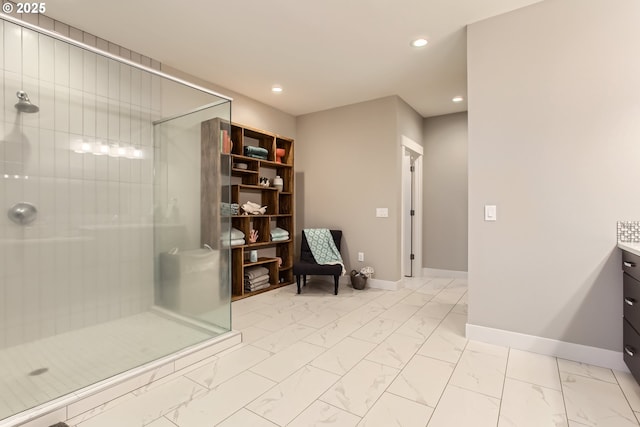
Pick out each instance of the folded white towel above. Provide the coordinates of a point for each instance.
(232, 234)
(234, 242)
(279, 232)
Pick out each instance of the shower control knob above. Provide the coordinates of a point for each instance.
(22, 213)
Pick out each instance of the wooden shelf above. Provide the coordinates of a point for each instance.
(237, 172)
(280, 207)
(259, 245)
(255, 187)
(264, 163)
(259, 216)
(270, 164)
(246, 294)
(263, 260)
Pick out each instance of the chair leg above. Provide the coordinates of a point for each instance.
(335, 281)
(298, 282)
(304, 280)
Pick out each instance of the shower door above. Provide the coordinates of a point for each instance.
(100, 255)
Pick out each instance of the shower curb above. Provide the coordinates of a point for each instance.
(90, 401)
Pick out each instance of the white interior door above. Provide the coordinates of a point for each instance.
(407, 208)
(411, 208)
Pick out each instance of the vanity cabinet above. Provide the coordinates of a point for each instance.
(631, 312)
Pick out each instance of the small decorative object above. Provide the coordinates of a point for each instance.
(253, 236)
(367, 271)
(226, 143)
(242, 166)
(264, 181)
(254, 208)
(279, 261)
(253, 256)
(278, 183)
(280, 152)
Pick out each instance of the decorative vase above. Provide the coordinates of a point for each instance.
(280, 152)
(253, 256)
(227, 144)
(278, 183)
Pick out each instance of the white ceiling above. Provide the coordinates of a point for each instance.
(324, 53)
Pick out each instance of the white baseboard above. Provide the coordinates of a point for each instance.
(435, 272)
(387, 285)
(564, 350)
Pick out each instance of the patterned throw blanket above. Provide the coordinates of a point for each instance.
(322, 247)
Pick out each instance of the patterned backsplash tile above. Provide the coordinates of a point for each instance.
(629, 231)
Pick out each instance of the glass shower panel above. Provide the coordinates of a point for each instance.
(101, 259)
(191, 259)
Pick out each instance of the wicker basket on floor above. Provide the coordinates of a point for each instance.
(358, 280)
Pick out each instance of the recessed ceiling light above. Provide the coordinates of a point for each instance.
(276, 89)
(458, 99)
(419, 42)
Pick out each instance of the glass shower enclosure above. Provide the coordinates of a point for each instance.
(112, 253)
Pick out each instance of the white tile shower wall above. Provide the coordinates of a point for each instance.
(88, 257)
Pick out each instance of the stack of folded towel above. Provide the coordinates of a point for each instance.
(227, 209)
(279, 234)
(234, 237)
(256, 278)
(256, 152)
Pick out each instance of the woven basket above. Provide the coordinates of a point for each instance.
(358, 281)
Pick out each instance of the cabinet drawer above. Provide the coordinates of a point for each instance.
(631, 300)
(631, 349)
(631, 264)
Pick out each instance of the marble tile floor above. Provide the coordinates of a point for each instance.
(373, 358)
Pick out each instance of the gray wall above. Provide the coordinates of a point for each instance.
(409, 122)
(245, 110)
(554, 143)
(347, 165)
(445, 195)
(348, 157)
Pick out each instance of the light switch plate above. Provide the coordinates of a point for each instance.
(382, 212)
(490, 213)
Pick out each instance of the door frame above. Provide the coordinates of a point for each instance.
(408, 145)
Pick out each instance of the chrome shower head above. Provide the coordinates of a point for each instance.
(24, 105)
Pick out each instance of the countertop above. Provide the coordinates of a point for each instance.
(633, 247)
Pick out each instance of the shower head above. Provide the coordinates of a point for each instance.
(24, 105)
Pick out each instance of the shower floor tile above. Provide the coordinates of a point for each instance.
(36, 372)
